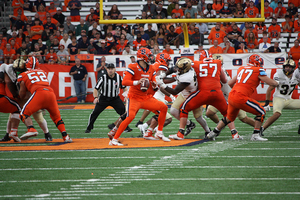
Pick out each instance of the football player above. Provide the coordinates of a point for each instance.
(243, 85)
(135, 74)
(211, 110)
(42, 96)
(282, 97)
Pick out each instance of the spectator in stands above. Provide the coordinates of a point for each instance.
(9, 54)
(260, 27)
(51, 9)
(239, 12)
(249, 30)
(65, 41)
(114, 51)
(264, 45)
(59, 16)
(81, 27)
(235, 33)
(62, 55)
(73, 47)
(242, 49)
(55, 44)
(83, 43)
(14, 45)
(217, 6)
(127, 50)
(91, 49)
(18, 20)
(139, 42)
(16, 5)
(57, 3)
(287, 25)
(28, 5)
(178, 11)
(297, 24)
(238, 42)
(97, 39)
(225, 12)
(191, 10)
(209, 12)
(144, 35)
(273, 49)
(23, 51)
(197, 37)
(52, 27)
(223, 44)
(228, 48)
(42, 12)
(295, 2)
(161, 11)
(269, 12)
(79, 73)
(216, 35)
(172, 37)
(74, 7)
(251, 41)
(203, 29)
(150, 32)
(155, 50)
(104, 49)
(184, 5)
(215, 48)
(51, 57)
(93, 16)
(168, 49)
(37, 4)
(274, 4)
(17, 40)
(171, 6)
(149, 8)
(50, 41)
(58, 35)
(232, 5)
(274, 29)
(114, 12)
(151, 44)
(294, 52)
(280, 11)
(200, 49)
(121, 46)
(36, 31)
(42, 47)
(37, 51)
(28, 43)
(251, 11)
(68, 26)
(292, 11)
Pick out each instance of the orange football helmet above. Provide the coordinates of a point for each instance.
(32, 63)
(163, 58)
(205, 54)
(255, 60)
(146, 55)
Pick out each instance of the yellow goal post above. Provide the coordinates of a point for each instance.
(184, 21)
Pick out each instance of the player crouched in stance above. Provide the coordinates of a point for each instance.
(282, 97)
(211, 110)
(243, 85)
(135, 74)
(35, 81)
(186, 84)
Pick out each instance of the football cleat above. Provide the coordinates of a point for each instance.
(162, 137)
(178, 136)
(149, 136)
(111, 134)
(111, 126)
(87, 131)
(235, 135)
(143, 128)
(48, 137)
(115, 142)
(261, 131)
(212, 135)
(5, 138)
(138, 123)
(14, 135)
(32, 132)
(67, 139)
(128, 129)
(256, 137)
(189, 128)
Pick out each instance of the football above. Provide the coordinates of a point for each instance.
(145, 85)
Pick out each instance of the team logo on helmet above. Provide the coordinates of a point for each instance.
(163, 58)
(183, 65)
(256, 60)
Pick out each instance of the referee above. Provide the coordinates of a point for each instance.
(108, 86)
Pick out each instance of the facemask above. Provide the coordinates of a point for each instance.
(225, 7)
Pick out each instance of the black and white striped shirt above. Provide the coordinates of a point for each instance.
(109, 87)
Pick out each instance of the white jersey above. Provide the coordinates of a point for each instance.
(286, 85)
(8, 69)
(225, 87)
(297, 74)
(188, 77)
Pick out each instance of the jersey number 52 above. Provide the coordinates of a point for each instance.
(37, 77)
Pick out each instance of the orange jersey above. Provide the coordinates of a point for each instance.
(286, 30)
(158, 66)
(295, 52)
(252, 44)
(296, 26)
(295, 2)
(53, 21)
(251, 12)
(230, 50)
(178, 13)
(36, 29)
(208, 74)
(241, 51)
(269, 12)
(260, 28)
(217, 35)
(42, 15)
(178, 30)
(169, 52)
(217, 7)
(261, 41)
(247, 79)
(281, 13)
(51, 56)
(34, 79)
(17, 3)
(214, 50)
(274, 30)
(248, 31)
(7, 53)
(140, 44)
(135, 72)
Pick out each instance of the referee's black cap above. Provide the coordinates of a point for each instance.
(110, 65)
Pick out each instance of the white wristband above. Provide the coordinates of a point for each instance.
(135, 82)
(163, 86)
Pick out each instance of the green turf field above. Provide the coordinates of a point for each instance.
(222, 169)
